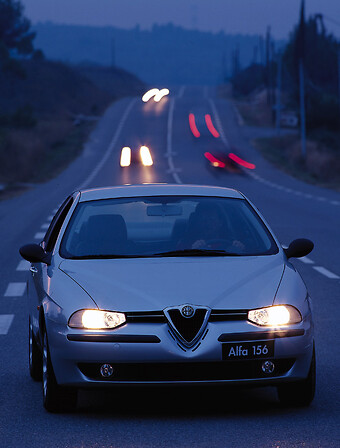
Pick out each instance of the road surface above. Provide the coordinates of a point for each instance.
(176, 417)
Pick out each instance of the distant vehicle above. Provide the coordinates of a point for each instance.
(166, 284)
(142, 156)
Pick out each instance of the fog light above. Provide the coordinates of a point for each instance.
(268, 367)
(106, 370)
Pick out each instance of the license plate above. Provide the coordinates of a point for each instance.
(247, 350)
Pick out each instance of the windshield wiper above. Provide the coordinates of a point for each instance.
(196, 253)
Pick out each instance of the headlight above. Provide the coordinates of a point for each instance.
(274, 316)
(96, 319)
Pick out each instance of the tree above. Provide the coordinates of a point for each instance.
(319, 52)
(16, 37)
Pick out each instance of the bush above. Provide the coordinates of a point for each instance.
(249, 79)
(23, 117)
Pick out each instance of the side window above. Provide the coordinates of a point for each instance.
(56, 224)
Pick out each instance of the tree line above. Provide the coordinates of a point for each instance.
(320, 52)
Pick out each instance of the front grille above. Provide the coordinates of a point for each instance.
(188, 328)
(189, 371)
(145, 317)
(159, 317)
(228, 315)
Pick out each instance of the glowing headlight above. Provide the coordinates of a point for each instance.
(145, 156)
(125, 156)
(96, 319)
(274, 316)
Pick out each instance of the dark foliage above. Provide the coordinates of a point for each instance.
(250, 79)
(15, 32)
(320, 61)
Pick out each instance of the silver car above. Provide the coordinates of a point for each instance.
(164, 285)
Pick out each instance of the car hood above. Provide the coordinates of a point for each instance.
(153, 284)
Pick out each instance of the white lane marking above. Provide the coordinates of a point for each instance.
(15, 289)
(181, 92)
(259, 178)
(39, 236)
(306, 260)
(169, 152)
(49, 218)
(23, 265)
(326, 272)
(109, 150)
(219, 124)
(290, 191)
(239, 117)
(205, 92)
(45, 226)
(54, 211)
(5, 322)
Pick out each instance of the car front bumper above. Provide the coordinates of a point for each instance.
(149, 354)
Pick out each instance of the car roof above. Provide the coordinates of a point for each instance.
(157, 190)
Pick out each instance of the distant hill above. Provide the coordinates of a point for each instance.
(164, 55)
(54, 89)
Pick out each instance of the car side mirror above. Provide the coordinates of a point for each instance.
(34, 253)
(299, 248)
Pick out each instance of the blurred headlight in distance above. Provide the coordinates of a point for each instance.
(275, 316)
(145, 156)
(125, 156)
(149, 94)
(161, 94)
(96, 319)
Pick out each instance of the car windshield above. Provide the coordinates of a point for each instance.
(164, 226)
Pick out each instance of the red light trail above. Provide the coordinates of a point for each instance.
(241, 162)
(193, 126)
(211, 127)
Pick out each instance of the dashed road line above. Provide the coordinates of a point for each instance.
(239, 117)
(306, 260)
(109, 150)
(15, 289)
(5, 323)
(23, 265)
(181, 92)
(49, 218)
(45, 226)
(219, 124)
(326, 272)
(172, 170)
(290, 191)
(258, 177)
(39, 236)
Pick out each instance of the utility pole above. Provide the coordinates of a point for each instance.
(268, 63)
(301, 57)
(278, 93)
(339, 73)
(113, 52)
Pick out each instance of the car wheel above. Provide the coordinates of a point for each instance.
(34, 355)
(300, 393)
(55, 398)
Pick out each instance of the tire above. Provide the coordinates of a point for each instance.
(300, 393)
(34, 355)
(55, 398)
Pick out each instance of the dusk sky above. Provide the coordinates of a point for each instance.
(230, 16)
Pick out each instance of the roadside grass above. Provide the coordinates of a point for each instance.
(322, 163)
(62, 152)
(41, 129)
(255, 112)
(320, 167)
(31, 156)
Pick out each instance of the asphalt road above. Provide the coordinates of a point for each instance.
(176, 417)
